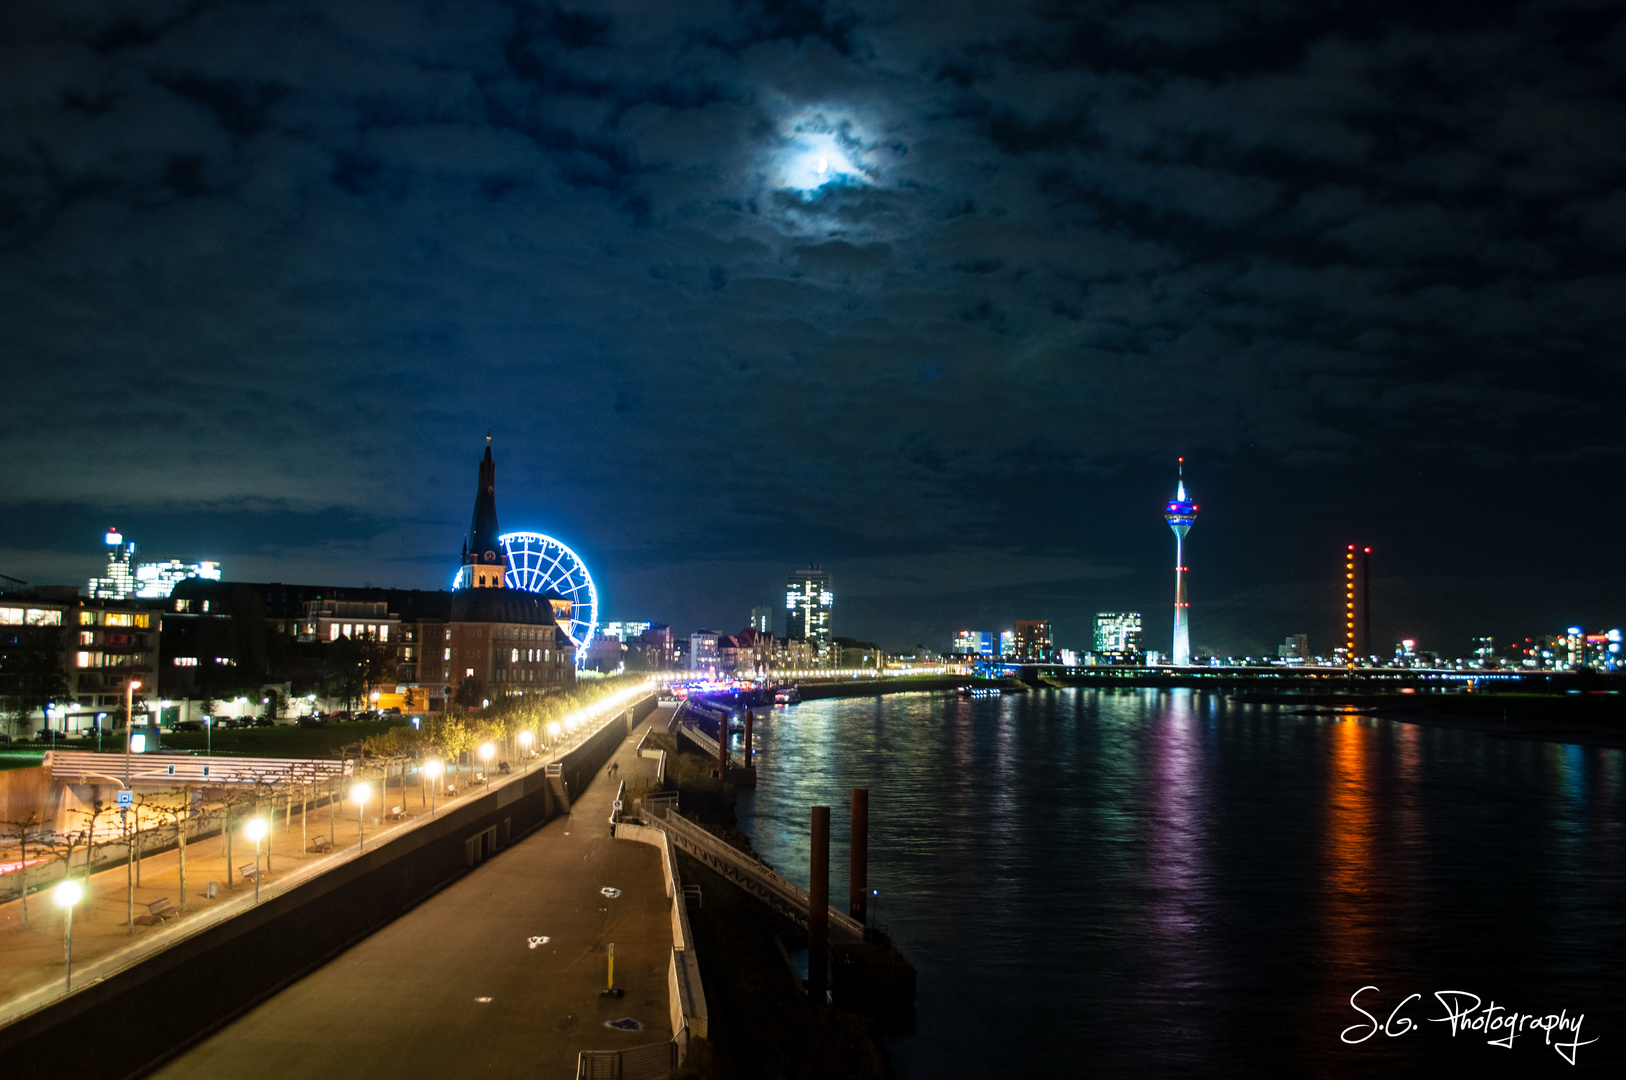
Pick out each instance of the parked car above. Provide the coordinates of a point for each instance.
(189, 725)
(264, 721)
(314, 720)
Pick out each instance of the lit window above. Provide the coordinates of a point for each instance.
(86, 659)
(333, 631)
(448, 655)
(87, 618)
(471, 675)
(87, 637)
(186, 661)
(142, 622)
(384, 633)
(206, 605)
(11, 616)
(349, 630)
(514, 656)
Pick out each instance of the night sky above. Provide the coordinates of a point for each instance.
(269, 273)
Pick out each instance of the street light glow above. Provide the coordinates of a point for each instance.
(256, 829)
(360, 793)
(432, 769)
(67, 894)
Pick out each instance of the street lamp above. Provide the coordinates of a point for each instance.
(66, 895)
(486, 752)
(432, 769)
(359, 794)
(255, 830)
(525, 740)
(553, 732)
(130, 687)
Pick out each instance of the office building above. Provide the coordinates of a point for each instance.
(1007, 644)
(762, 619)
(1033, 644)
(808, 599)
(974, 643)
(1295, 647)
(126, 578)
(1117, 636)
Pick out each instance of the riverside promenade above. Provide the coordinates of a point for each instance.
(462, 984)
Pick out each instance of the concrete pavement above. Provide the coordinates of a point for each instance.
(456, 985)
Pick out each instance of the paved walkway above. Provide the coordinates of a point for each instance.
(31, 955)
(455, 987)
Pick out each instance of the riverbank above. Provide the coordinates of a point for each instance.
(761, 1021)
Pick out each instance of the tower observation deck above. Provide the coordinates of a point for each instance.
(1180, 513)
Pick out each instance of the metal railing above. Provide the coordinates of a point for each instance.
(779, 893)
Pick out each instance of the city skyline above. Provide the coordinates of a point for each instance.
(956, 360)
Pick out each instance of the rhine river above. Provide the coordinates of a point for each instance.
(1152, 883)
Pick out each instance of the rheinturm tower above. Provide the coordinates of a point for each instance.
(485, 563)
(1180, 514)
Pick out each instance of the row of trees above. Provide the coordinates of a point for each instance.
(451, 736)
(157, 820)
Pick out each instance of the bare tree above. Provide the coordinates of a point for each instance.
(24, 828)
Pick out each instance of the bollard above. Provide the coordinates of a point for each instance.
(818, 905)
(748, 738)
(858, 874)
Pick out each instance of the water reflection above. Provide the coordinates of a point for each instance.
(1132, 882)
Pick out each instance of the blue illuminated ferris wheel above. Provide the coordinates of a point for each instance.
(541, 564)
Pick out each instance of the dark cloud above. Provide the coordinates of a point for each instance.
(288, 261)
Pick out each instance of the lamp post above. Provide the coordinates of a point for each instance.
(553, 734)
(432, 769)
(525, 739)
(359, 794)
(486, 753)
(66, 896)
(255, 830)
(130, 687)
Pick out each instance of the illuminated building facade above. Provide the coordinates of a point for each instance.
(1117, 636)
(146, 581)
(1033, 642)
(974, 643)
(96, 646)
(703, 650)
(1181, 514)
(1295, 647)
(762, 619)
(808, 600)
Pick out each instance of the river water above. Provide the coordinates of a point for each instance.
(1149, 883)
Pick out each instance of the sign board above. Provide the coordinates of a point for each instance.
(616, 805)
(126, 799)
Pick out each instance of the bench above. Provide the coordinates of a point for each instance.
(159, 910)
(249, 871)
(320, 845)
(398, 813)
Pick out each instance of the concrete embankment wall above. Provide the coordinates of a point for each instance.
(133, 1020)
(876, 687)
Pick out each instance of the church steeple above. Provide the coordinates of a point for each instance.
(484, 561)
